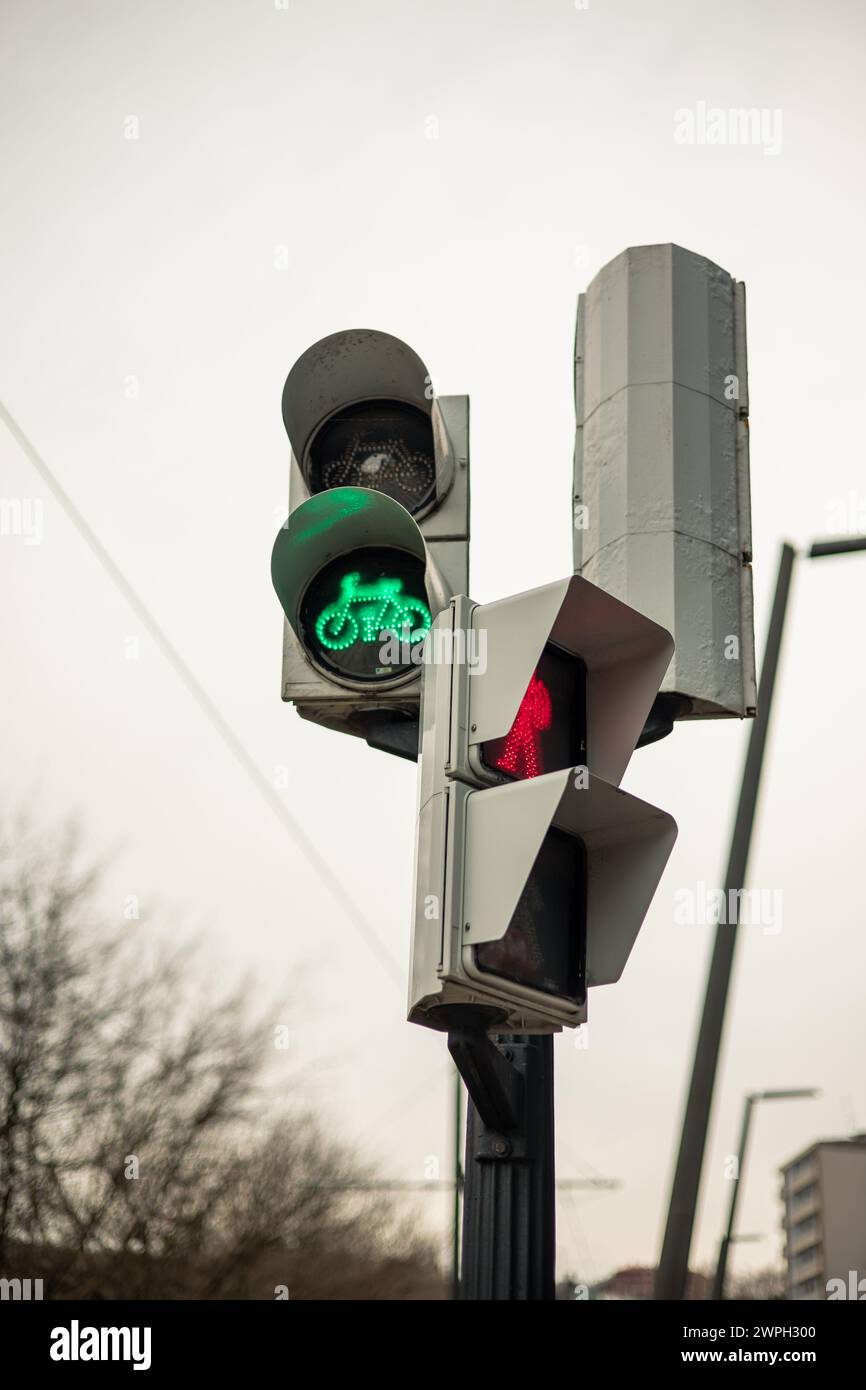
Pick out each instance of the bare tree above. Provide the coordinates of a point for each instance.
(138, 1154)
(762, 1285)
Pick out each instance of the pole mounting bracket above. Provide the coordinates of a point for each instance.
(495, 1084)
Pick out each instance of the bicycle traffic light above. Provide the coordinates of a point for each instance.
(377, 537)
(534, 871)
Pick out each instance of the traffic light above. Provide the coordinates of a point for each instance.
(377, 537)
(534, 871)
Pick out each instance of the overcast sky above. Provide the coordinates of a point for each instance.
(454, 174)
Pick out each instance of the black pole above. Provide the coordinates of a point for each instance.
(840, 545)
(673, 1264)
(458, 1184)
(509, 1219)
(721, 1267)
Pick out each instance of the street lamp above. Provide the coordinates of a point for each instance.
(728, 1237)
(838, 546)
(674, 1259)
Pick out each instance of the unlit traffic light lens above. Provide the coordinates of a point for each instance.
(545, 944)
(384, 445)
(361, 605)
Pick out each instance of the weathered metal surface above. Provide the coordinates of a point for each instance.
(661, 467)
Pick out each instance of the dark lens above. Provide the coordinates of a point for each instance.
(545, 944)
(363, 605)
(379, 444)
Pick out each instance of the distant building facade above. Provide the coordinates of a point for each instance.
(824, 1217)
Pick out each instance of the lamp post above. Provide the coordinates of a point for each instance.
(674, 1259)
(751, 1099)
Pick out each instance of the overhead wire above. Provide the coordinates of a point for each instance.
(316, 860)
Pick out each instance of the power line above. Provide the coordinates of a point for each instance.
(206, 704)
(243, 757)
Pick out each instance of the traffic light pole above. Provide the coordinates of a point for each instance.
(458, 1187)
(509, 1218)
(673, 1266)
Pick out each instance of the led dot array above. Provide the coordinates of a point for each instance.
(521, 754)
(385, 461)
(362, 612)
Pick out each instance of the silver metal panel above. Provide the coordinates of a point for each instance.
(657, 314)
(625, 655)
(443, 974)
(741, 347)
(624, 444)
(697, 590)
(661, 450)
(429, 899)
(504, 830)
(628, 843)
(450, 520)
(436, 718)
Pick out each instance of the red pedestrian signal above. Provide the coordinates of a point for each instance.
(549, 729)
(521, 756)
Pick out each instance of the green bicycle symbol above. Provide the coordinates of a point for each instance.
(379, 607)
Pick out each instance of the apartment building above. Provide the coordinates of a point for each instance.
(824, 1218)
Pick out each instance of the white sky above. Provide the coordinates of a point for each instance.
(306, 128)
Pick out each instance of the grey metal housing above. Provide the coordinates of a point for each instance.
(661, 463)
(476, 844)
(343, 369)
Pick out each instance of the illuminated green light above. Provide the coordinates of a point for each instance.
(362, 612)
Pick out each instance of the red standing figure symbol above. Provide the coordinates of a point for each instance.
(521, 755)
